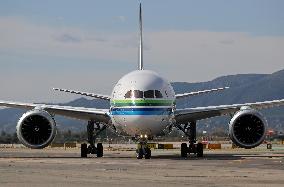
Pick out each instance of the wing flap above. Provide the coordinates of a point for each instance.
(98, 115)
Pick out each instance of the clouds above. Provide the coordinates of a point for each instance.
(68, 38)
(20, 36)
(121, 18)
(203, 55)
(179, 55)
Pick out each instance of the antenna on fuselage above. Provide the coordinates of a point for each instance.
(140, 65)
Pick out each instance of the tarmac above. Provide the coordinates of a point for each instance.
(60, 167)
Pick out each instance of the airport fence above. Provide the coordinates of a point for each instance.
(153, 145)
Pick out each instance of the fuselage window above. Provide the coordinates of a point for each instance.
(128, 94)
(158, 94)
(149, 94)
(138, 94)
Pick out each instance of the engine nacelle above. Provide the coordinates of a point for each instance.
(36, 129)
(247, 128)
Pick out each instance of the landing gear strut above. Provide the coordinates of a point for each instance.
(143, 150)
(189, 130)
(93, 132)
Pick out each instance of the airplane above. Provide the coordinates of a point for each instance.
(142, 105)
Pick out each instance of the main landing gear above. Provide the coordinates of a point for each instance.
(189, 130)
(93, 132)
(143, 149)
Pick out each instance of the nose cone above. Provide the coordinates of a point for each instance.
(142, 103)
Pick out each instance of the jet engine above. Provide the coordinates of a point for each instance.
(36, 129)
(247, 128)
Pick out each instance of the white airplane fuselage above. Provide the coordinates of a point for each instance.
(142, 103)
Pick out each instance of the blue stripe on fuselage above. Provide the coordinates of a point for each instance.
(141, 111)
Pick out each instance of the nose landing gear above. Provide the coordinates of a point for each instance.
(143, 150)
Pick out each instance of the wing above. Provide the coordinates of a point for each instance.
(178, 96)
(99, 115)
(98, 96)
(194, 114)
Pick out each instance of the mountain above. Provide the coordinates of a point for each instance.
(243, 88)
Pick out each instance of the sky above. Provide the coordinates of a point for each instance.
(89, 45)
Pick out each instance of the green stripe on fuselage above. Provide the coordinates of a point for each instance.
(141, 102)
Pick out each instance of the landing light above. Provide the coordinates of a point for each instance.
(143, 136)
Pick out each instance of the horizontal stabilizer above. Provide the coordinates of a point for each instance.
(98, 96)
(178, 96)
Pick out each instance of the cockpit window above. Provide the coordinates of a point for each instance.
(158, 94)
(146, 94)
(138, 94)
(134, 93)
(128, 94)
(149, 94)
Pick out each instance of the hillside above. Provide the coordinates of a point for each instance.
(243, 88)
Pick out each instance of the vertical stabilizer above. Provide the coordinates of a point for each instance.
(140, 65)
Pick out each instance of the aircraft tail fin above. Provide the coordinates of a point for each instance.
(140, 65)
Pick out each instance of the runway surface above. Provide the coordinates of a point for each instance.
(59, 167)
